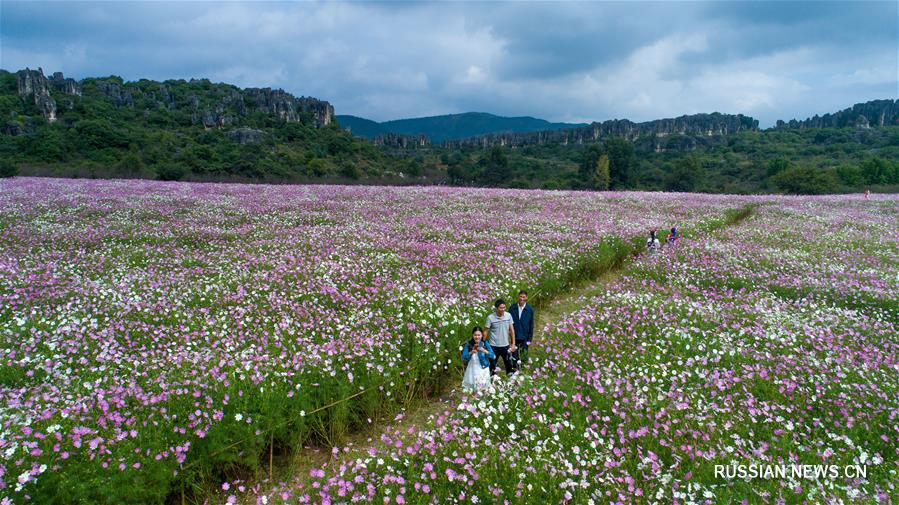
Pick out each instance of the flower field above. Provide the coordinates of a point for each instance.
(156, 336)
(771, 342)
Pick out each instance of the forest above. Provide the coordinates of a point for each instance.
(156, 130)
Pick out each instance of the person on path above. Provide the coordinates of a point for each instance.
(523, 323)
(477, 353)
(502, 337)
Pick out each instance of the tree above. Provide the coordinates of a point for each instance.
(169, 172)
(601, 177)
(319, 167)
(130, 164)
(851, 175)
(8, 169)
(349, 170)
(805, 180)
(876, 171)
(496, 167)
(47, 144)
(588, 165)
(98, 134)
(621, 161)
(686, 175)
(413, 168)
(778, 165)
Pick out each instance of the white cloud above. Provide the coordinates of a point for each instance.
(878, 75)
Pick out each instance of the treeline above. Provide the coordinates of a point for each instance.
(148, 129)
(790, 161)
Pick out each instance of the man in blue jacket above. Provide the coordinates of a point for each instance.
(523, 321)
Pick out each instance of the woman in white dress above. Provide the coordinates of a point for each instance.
(477, 353)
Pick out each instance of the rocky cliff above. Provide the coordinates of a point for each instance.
(397, 140)
(212, 105)
(861, 115)
(702, 125)
(33, 85)
(277, 103)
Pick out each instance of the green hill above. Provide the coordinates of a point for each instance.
(177, 129)
(200, 130)
(450, 126)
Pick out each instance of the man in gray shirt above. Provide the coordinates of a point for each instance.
(502, 337)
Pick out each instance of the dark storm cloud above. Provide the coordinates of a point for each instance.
(563, 61)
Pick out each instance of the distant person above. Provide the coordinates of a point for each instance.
(502, 337)
(867, 194)
(523, 322)
(652, 244)
(477, 353)
(672, 237)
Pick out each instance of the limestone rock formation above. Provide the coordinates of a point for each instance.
(65, 85)
(115, 93)
(862, 115)
(277, 103)
(697, 125)
(246, 135)
(33, 85)
(13, 128)
(213, 105)
(398, 140)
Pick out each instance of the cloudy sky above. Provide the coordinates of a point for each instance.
(561, 61)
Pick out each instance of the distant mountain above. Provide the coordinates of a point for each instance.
(450, 126)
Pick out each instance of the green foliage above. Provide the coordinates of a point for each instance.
(877, 171)
(850, 175)
(588, 165)
(495, 167)
(152, 130)
(805, 180)
(8, 168)
(601, 174)
(778, 165)
(686, 175)
(351, 171)
(170, 172)
(621, 161)
(8, 83)
(98, 136)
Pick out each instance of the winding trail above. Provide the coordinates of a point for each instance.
(421, 412)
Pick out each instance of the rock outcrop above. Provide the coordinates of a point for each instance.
(246, 135)
(118, 94)
(13, 128)
(861, 115)
(702, 125)
(397, 140)
(277, 103)
(212, 105)
(32, 85)
(65, 85)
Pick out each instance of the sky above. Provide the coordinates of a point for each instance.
(559, 61)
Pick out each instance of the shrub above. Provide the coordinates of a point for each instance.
(170, 172)
(8, 169)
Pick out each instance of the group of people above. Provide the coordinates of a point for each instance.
(653, 244)
(506, 335)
